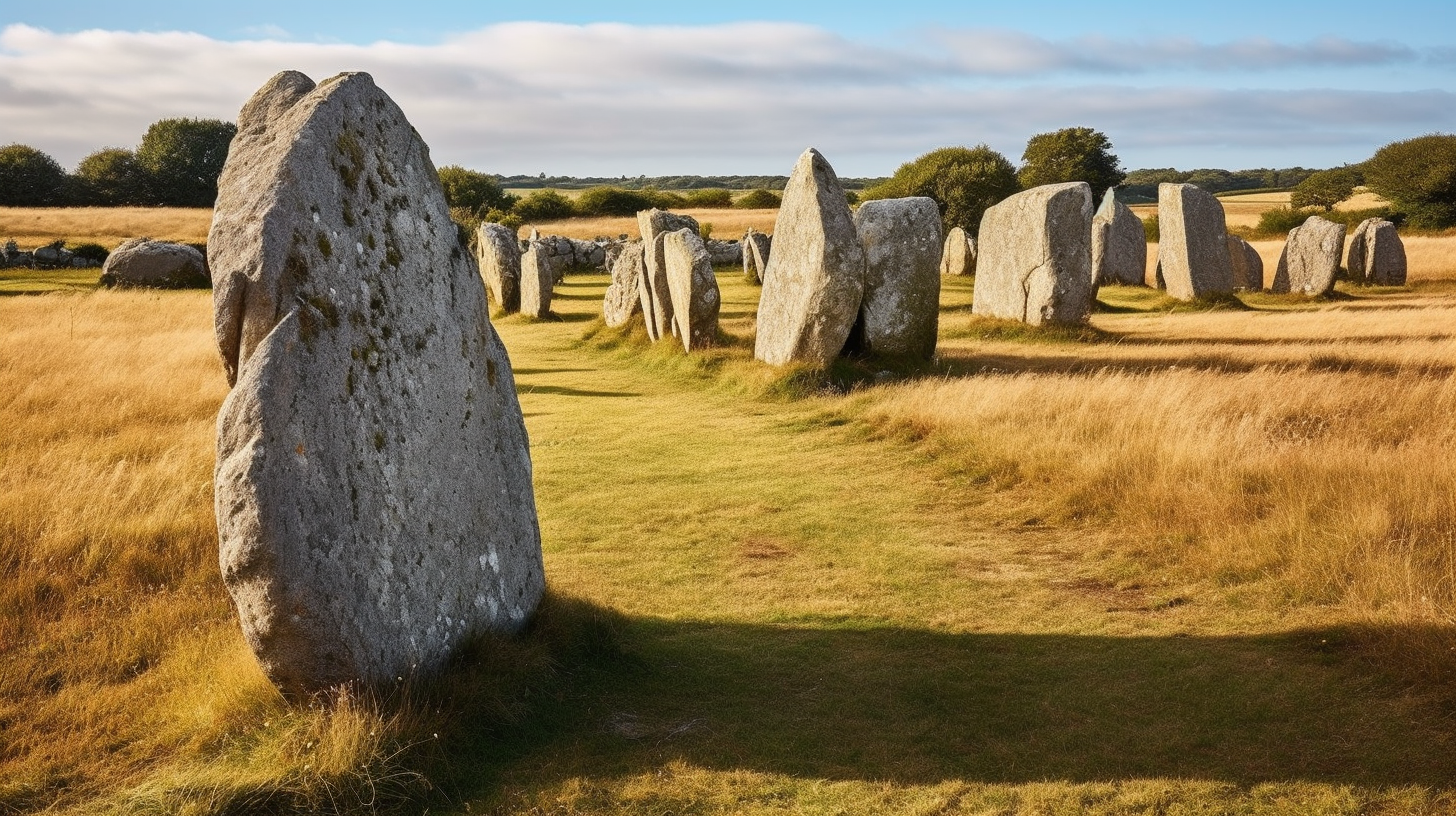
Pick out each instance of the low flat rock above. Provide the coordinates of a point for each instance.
(1376, 255)
(373, 480)
(814, 280)
(499, 253)
(755, 256)
(694, 288)
(623, 298)
(1119, 244)
(1193, 243)
(142, 263)
(538, 276)
(1311, 258)
(1036, 257)
(656, 298)
(1247, 266)
(958, 256)
(900, 313)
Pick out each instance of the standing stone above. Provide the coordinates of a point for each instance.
(694, 288)
(538, 275)
(1036, 256)
(755, 256)
(499, 254)
(814, 280)
(1193, 242)
(1377, 254)
(657, 300)
(900, 312)
(958, 256)
(373, 479)
(1248, 267)
(623, 300)
(147, 264)
(1310, 259)
(1119, 244)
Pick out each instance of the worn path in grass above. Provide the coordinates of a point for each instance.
(824, 621)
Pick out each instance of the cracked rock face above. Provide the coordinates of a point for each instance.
(900, 312)
(1193, 251)
(814, 280)
(373, 480)
(1119, 244)
(1035, 260)
(623, 298)
(958, 256)
(1310, 259)
(1377, 254)
(500, 262)
(694, 288)
(755, 255)
(656, 297)
(1248, 267)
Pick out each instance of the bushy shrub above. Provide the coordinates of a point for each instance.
(30, 178)
(473, 190)
(544, 205)
(612, 201)
(963, 181)
(759, 200)
(1326, 188)
(851, 197)
(705, 230)
(94, 253)
(508, 220)
(1418, 178)
(664, 200)
(710, 199)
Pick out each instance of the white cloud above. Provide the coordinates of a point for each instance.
(747, 97)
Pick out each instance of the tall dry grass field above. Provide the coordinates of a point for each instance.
(37, 226)
(727, 224)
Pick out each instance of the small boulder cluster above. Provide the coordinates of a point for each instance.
(668, 277)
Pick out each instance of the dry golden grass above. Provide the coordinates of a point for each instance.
(727, 224)
(1244, 210)
(108, 226)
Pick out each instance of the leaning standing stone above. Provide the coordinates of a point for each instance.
(1311, 257)
(694, 288)
(1036, 256)
(1376, 254)
(1193, 242)
(1247, 266)
(538, 275)
(146, 264)
(499, 253)
(755, 256)
(1119, 244)
(814, 280)
(657, 300)
(623, 299)
(373, 481)
(958, 256)
(901, 309)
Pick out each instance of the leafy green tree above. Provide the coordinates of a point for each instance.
(475, 191)
(1418, 177)
(544, 205)
(30, 178)
(963, 181)
(1326, 188)
(183, 158)
(111, 177)
(1070, 154)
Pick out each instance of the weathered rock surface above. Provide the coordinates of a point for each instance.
(755, 255)
(1036, 256)
(1248, 267)
(538, 275)
(499, 254)
(694, 288)
(147, 264)
(656, 298)
(623, 298)
(1119, 244)
(1376, 255)
(958, 256)
(900, 312)
(373, 480)
(1193, 242)
(724, 253)
(1311, 257)
(814, 280)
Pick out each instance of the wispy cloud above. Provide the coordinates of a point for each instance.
(742, 97)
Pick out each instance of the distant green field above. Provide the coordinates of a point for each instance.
(21, 281)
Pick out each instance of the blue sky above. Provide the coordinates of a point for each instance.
(743, 87)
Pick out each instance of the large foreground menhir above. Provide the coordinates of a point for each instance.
(373, 483)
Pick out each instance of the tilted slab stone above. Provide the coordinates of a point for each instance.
(1377, 255)
(499, 254)
(1311, 258)
(814, 280)
(623, 298)
(538, 275)
(146, 264)
(694, 288)
(373, 480)
(1036, 256)
(900, 312)
(1119, 244)
(1193, 242)
(657, 302)
(755, 256)
(1248, 267)
(958, 256)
